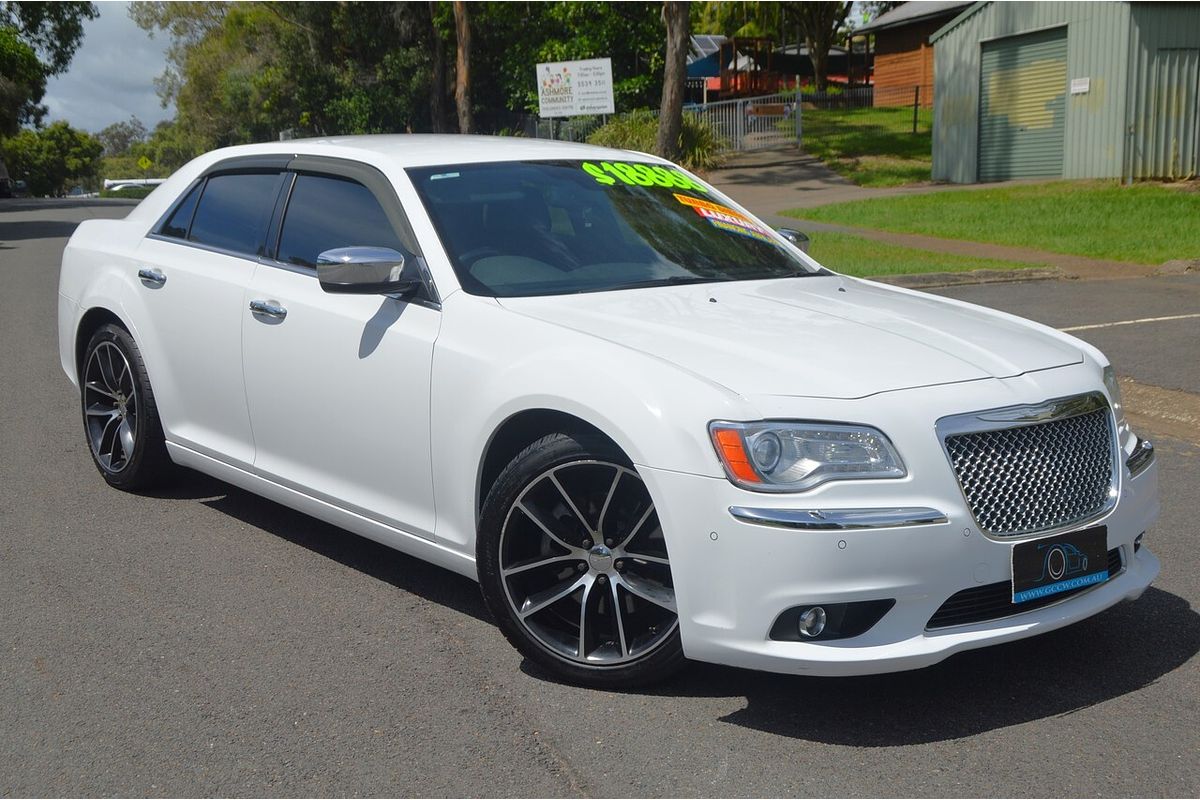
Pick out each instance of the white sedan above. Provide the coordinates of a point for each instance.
(651, 427)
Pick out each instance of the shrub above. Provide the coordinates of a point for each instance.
(701, 149)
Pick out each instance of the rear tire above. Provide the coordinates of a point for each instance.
(120, 418)
(574, 568)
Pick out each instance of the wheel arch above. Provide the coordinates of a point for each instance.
(89, 323)
(517, 432)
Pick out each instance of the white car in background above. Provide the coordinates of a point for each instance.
(651, 427)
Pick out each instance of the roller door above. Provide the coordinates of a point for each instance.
(1022, 106)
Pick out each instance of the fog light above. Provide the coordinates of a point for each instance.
(812, 622)
(1137, 543)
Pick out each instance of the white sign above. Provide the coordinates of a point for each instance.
(575, 88)
(1080, 85)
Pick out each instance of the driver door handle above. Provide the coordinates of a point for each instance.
(268, 308)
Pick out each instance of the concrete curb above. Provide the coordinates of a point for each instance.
(1180, 266)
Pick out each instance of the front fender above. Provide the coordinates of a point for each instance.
(490, 364)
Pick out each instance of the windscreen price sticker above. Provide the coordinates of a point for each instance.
(610, 172)
(725, 218)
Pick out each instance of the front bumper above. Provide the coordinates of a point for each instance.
(734, 577)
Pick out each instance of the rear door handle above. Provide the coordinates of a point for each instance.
(268, 308)
(152, 277)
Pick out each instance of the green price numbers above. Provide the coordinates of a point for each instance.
(609, 173)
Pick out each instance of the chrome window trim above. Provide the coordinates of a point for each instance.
(838, 519)
(261, 261)
(1033, 414)
(251, 257)
(336, 168)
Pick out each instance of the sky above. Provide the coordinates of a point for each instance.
(111, 76)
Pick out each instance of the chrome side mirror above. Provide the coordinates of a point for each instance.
(367, 270)
(796, 237)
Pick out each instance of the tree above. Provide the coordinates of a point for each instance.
(53, 30)
(745, 19)
(50, 158)
(22, 83)
(670, 115)
(187, 23)
(37, 41)
(241, 72)
(820, 23)
(247, 71)
(874, 9)
(168, 147)
(437, 78)
(510, 38)
(120, 136)
(462, 69)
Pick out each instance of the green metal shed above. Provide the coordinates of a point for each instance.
(1071, 90)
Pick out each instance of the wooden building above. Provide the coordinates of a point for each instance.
(903, 53)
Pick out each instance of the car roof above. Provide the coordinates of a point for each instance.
(420, 150)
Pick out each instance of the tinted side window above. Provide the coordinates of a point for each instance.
(235, 210)
(177, 225)
(325, 213)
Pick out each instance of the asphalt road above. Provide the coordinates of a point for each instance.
(208, 642)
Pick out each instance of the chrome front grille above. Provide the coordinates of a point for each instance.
(1034, 468)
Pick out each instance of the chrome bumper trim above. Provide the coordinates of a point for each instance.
(838, 519)
(1142, 457)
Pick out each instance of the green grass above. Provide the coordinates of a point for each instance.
(871, 146)
(1144, 224)
(865, 258)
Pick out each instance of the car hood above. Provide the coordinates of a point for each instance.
(814, 337)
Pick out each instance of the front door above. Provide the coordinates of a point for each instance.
(338, 385)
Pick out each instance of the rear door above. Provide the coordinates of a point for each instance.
(338, 385)
(193, 270)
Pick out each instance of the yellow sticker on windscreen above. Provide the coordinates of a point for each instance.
(726, 218)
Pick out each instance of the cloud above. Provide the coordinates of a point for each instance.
(111, 76)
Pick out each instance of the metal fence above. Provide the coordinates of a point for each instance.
(753, 123)
(563, 129)
(903, 113)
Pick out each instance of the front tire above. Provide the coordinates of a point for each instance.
(120, 418)
(574, 567)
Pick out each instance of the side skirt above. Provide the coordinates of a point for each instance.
(386, 535)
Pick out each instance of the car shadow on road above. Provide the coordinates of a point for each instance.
(1120, 651)
(1124, 649)
(61, 203)
(404, 572)
(36, 229)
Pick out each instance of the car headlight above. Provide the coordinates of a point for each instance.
(1125, 438)
(1114, 390)
(794, 456)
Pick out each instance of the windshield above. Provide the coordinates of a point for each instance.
(556, 227)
